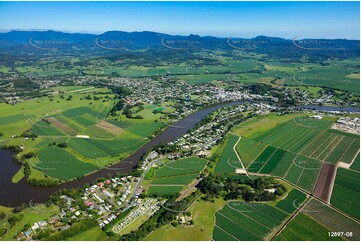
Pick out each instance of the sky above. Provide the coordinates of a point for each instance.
(221, 19)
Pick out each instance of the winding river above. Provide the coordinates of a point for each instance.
(14, 194)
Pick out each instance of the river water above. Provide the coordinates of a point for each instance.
(14, 194)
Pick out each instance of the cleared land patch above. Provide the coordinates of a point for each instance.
(111, 128)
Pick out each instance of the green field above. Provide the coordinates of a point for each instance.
(58, 163)
(181, 179)
(96, 148)
(228, 161)
(297, 149)
(181, 167)
(356, 163)
(31, 215)
(202, 213)
(164, 190)
(248, 150)
(334, 75)
(93, 234)
(332, 219)
(144, 129)
(346, 192)
(304, 228)
(262, 159)
(42, 128)
(292, 201)
(247, 221)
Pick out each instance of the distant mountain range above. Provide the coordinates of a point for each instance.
(41, 41)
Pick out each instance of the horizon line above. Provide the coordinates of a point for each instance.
(5, 31)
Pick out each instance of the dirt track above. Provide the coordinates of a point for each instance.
(324, 182)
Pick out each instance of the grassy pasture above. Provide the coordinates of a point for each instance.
(13, 118)
(228, 160)
(93, 234)
(164, 190)
(248, 150)
(145, 129)
(181, 167)
(182, 179)
(334, 76)
(202, 213)
(30, 216)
